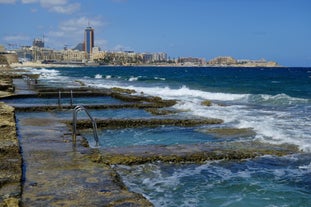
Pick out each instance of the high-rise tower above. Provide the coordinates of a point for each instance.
(88, 40)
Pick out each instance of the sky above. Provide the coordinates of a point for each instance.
(275, 30)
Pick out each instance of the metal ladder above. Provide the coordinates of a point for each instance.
(60, 98)
(74, 122)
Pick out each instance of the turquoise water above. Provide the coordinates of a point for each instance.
(96, 114)
(163, 135)
(102, 100)
(274, 102)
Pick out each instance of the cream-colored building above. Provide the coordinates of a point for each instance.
(73, 55)
(2, 49)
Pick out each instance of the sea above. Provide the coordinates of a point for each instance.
(274, 102)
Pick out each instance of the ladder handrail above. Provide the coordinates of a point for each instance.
(75, 113)
(60, 98)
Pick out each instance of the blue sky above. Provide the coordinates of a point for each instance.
(278, 30)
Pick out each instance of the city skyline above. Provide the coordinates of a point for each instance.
(277, 30)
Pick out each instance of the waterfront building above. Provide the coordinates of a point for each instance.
(2, 49)
(38, 43)
(70, 55)
(88, 41)
(159, 57)
(24, 53)
(147, 57)
(191, 61)
(223, 61)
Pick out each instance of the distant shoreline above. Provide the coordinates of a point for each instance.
(51, 65)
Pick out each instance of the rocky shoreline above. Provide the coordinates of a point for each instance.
(10, 154)
(52, 157)
(19, 188)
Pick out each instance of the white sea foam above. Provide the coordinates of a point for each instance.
(98, 76)
(306, 167)
(278, 100)
(46, 73)
(132, 78)
(171, 93)
(187, 93)
(200, 179)
(214, 182)
(271, 123)
(158, 78)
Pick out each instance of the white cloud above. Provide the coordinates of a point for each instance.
(56, 34)
(16, 38)
(29, 1)
(101, 43)
(76, 25)
(72, 32)
(7, 1)
(50, 3)
(67, 9)
(120, 47)
(58, 6)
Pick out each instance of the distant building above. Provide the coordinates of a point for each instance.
(147, 57)
(223, 61)
(72, 55)
(38, 43)
(25, 53)
(191, 61)
(159, 57)
(88, 40)
(2, 49)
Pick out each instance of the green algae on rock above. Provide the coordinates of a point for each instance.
(123, 90)
(189, 153)
(206, 103)
(135, 123)
(229, 132)
(160, 112)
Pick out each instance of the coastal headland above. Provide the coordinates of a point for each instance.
(41, 164)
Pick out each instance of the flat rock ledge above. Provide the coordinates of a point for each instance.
(10, 159)
(197, 153)
(135, 123)
(6, 83)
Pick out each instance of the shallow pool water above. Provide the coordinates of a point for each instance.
(161, 135)
(96, 114)
(63, 101)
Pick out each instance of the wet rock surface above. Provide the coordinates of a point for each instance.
(229, 132)
(135, 123)
(10, 159)
(6, 84)
(53, 171)
(58, 173)
(198, 153)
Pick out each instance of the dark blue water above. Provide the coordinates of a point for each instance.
(274, 102)
(291, 81)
